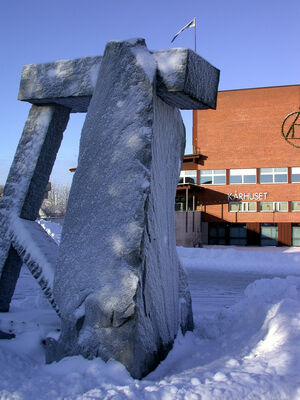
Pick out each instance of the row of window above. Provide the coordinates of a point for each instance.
(241, 176)
(237, 234)
(264, 206)
(188, 177)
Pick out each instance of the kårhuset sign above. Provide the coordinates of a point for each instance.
(247, 196)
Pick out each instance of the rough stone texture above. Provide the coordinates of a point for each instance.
(119, 285)
(26, 183)
(38, 251)
(9, 276)
(67, 82)
(184, 80)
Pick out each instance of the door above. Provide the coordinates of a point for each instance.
(269, 235)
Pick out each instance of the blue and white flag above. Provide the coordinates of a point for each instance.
(191, 24)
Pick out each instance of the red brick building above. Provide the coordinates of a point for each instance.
(244, 175)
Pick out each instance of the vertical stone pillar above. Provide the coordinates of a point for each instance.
(119, 285)
(26, 183)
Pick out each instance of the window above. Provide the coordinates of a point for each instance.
(238, 235)
(217, 234)
(242, 207)
(180, 203)
(188, 177)
(242, 176)
(213, 177)
(296, 235)
(282, 206)
(267, 206)
(295, 205)
(272, 206)
(295, 174)
(273, 175)
(269, 235)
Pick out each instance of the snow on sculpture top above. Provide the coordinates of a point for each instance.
(184, 80)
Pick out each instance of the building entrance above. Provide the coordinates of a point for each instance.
(227, 234)
(269, 235)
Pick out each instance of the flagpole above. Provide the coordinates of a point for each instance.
(195, 35)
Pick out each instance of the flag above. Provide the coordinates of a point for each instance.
(191, 24)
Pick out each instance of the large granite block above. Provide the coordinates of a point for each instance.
(38, 251)
(119, 285)
(26, 183)
(184, 80)
(67, 82)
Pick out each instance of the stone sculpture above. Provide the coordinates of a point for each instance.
(24, 191)
(119, 287)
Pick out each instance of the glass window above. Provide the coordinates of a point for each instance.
(252, 207)
(295, 205)
(296, 235)
(180, 203)
(206, 177)
(242, 207)
(295, 174)
(267, 206)
(234, 207)
(282, 206)
(238, 235)
(213, 177)
(269, 235)
(272, 206)
(217, 234)
(273, 175)
(242, 176)
(188, 177)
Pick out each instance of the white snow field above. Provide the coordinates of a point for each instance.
(246, 342)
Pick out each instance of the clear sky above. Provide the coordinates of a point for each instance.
(253, 42)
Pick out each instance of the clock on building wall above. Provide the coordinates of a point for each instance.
(290, 128)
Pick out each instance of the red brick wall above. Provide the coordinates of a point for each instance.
(215, 202)
(245, 132)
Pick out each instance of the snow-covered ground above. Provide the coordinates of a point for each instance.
(246, 343)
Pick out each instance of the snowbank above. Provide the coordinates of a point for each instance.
(250, 350)
(273, 261)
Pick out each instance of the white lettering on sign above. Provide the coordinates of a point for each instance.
(258, 196)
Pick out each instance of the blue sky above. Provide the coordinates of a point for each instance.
(253, 42)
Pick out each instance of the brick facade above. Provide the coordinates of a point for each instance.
(245, 132)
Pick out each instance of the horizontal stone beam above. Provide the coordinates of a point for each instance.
(184, 80)
(67, 82)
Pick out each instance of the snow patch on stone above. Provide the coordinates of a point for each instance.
(145, 60)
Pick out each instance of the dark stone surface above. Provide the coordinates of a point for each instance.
(4, 335)
(26, 183)
(38, 251)
(44, 162)
(67, 82)
(9, 277)
(119, 284)
(184, 80)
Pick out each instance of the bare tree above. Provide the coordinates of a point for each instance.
(57, 200)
